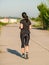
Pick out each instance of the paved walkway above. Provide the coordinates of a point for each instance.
(10, 45)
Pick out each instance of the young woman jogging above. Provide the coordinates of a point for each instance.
(25, 26)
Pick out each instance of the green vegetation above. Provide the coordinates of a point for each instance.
(18, 19)
(3, 24)
(37, 24)
(36, 19)
(43, 19)
(44, 15)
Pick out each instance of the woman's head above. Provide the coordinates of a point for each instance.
(24, 15)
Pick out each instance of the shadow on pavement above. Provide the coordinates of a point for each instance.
(14, 52)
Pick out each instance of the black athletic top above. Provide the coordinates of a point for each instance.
(25, 26)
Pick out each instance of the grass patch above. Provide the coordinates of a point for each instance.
(18, 20)
(38, 25)
(3, 24)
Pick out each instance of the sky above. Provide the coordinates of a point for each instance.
(15, 8)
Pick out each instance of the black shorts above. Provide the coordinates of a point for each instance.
(24, 40)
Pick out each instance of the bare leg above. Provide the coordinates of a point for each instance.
(27, 50)
(22, 50)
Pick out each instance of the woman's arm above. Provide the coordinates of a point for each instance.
(30, 26)
(21, 26)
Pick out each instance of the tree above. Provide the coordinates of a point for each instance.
(44, 15)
